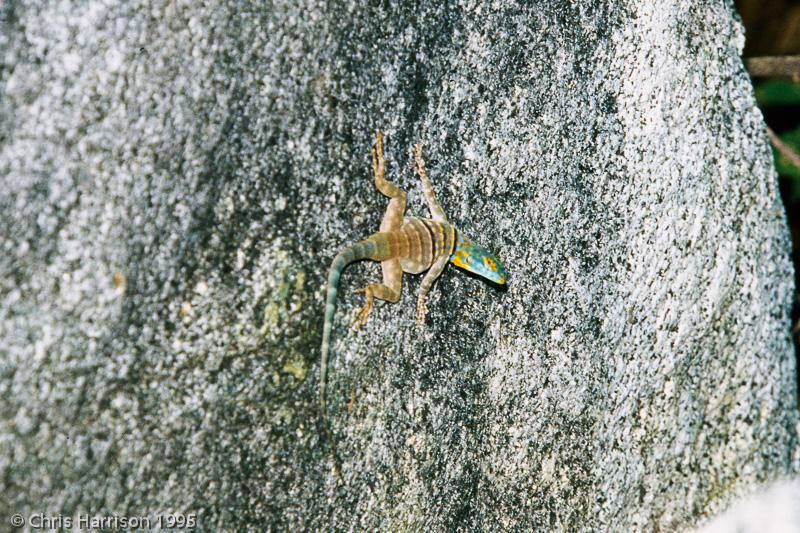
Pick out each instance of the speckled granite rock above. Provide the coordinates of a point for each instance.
(177, 179)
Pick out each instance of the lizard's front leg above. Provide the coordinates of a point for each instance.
(425, 286)
(437, 213)
(389, 290)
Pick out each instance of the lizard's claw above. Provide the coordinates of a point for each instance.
(363, 315)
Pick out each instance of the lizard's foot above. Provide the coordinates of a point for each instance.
(422, 310)
(378, 163)
(363, 314)
(419, 162)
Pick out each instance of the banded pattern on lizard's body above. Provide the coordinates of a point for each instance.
(420, 241)
(410, 245)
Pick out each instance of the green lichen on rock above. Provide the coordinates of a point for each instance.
(282, 293)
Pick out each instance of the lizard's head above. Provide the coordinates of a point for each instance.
(478, 260)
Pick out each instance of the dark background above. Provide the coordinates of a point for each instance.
(772, 28)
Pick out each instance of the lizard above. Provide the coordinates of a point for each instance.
(411, 245)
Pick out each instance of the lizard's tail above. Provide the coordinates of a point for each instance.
(360, 250)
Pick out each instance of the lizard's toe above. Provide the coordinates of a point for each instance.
(363, 315)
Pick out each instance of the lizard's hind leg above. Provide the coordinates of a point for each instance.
(389, 290)
(393, 218)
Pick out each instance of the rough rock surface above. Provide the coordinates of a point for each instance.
(176, 180)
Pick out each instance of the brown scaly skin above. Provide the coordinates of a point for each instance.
(410, 245)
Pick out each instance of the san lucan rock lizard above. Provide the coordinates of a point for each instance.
(410, 245)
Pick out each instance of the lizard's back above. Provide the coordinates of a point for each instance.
(419, 242)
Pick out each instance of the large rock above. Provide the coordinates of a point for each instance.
(178, 179)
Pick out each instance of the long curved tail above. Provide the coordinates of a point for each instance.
(360, 250)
